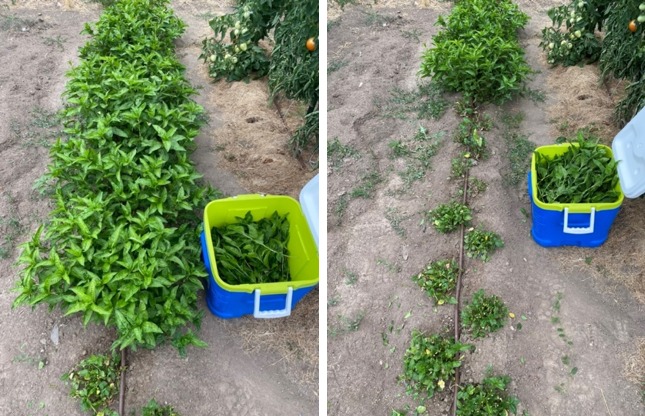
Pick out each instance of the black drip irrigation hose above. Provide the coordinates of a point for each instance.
(124, 356)
(458, 294)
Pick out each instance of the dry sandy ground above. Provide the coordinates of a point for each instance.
(373, 305)
(251, 367)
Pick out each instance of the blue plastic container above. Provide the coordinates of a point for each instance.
(561, 224)
(556, 228)
(262, 300)
(226, 304)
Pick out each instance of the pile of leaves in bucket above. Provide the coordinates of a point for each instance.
(250, 252)
(585, 173)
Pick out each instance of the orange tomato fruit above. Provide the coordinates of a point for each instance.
(632, 26)
(311, 45)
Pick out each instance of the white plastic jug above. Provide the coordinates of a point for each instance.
(629, 151)
(309, 203)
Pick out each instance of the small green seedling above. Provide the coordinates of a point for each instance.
(438, 280)
(94, 381)
(484, 314)
(429, 363)
(469, 135)
(488, 398)
(481, 244)
(155, 409)
(460, 165)
(447, 217)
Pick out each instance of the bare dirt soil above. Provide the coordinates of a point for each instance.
(250, 367)
(376, 242)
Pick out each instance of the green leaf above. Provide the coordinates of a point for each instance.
(151, 327)
(76, 307)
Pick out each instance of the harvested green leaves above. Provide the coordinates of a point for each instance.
(250, 252)
(585, 173)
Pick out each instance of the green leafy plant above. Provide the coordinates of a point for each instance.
(488, 398)
(367, 185)
(477, 52)
(250, 251)
(460, 165)
(234, 53)
(447, 217)
(418, 153)
(121, 246)
(94, 381)
(438, 280)
(429, 363)
(337, 152)
(241, 57)
(468, 134)
(484, 314)
(584, 173)
(155, 409)
(481, 244)
(620, 49)
(11, 228)
(306, 137)
(571, 39)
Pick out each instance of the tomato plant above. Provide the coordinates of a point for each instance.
(572, 38)
(122, 243)
(234, 53)
(477, 52)
(605, 31)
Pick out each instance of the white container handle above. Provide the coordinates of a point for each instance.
(277, 313)
(578, 230)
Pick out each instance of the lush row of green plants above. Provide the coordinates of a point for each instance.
(609, 32)
(477, 52)
(121, 246)
(235, 53)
